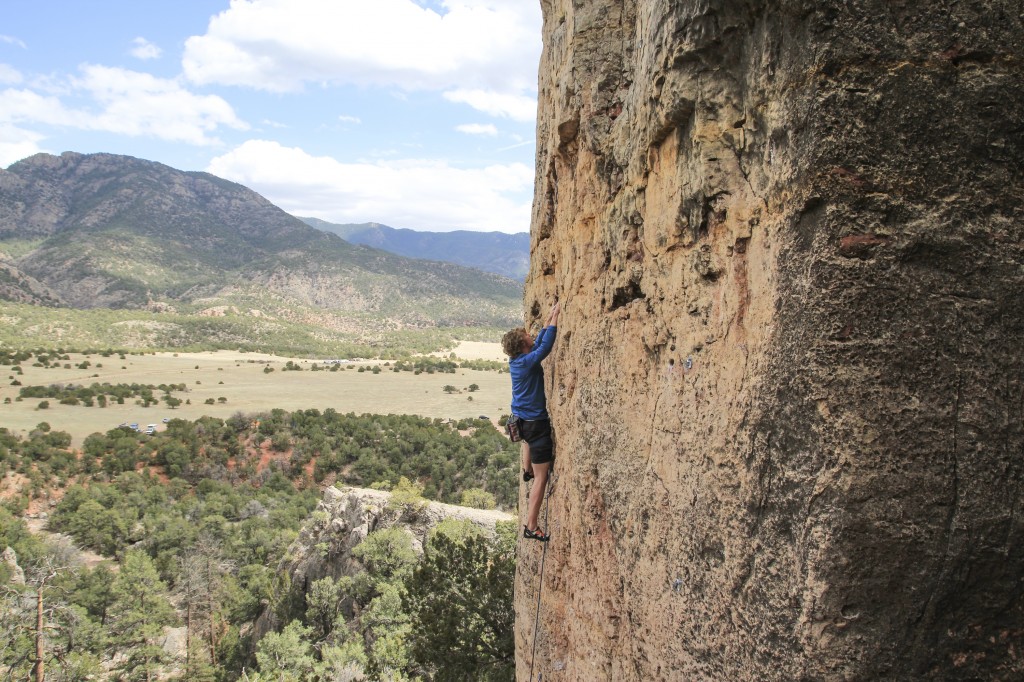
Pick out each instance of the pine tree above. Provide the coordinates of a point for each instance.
(202, 587)
(286, 656)
(460, 602)
(213, 569)
(41, 633)
(137, 616)
(92, 592)
(190, 589)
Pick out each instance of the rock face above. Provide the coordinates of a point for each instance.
(788, 389)
(10, 558)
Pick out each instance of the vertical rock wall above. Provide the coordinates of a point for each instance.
(788, 390)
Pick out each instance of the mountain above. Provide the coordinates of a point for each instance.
(106, 231)
(497, 252)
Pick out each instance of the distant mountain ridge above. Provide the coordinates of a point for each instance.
(107, 231)
(497, 252)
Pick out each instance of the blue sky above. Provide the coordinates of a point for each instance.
(413, 113)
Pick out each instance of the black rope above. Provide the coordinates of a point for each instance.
(544, 553)
(540, 584)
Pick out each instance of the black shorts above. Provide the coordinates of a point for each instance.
(538, 435)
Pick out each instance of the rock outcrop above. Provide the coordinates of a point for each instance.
(10, 559)
(788, 389)
(342, 520)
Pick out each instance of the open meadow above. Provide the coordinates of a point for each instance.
(241, 379)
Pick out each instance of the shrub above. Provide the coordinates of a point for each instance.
(407, 497)
(478, 498)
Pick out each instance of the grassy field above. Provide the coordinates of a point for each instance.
(240, 378)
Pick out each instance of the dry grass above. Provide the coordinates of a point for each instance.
(248, 389)
(477, 350)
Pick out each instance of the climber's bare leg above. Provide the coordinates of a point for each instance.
(540, 482)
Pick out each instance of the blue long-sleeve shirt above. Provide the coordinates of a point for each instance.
(528, 400)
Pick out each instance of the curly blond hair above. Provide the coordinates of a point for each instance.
(512, 341)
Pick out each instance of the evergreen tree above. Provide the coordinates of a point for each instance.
(211, 569)
(93, 592)
(286, 656)
(42, 635)
(191, 589)
(386, 625)
(138, 614)
(387, 554)
(323, 607)
(460, 602)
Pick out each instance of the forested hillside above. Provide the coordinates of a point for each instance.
(194, 521)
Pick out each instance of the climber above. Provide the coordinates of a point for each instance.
(529, 408)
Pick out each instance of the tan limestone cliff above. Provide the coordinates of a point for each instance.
(788, 390)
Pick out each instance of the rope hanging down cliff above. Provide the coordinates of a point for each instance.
(543, 556)
(532, 422)
(540, 578)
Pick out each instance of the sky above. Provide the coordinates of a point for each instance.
(417, 114)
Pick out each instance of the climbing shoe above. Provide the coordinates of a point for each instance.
(535, 534)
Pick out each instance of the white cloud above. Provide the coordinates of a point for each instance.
(489, 46)
(410, 193)
(25, 106)
(145, 50)
(129, 103)
(477, 129)
(517, 107)
(137, 103)
(11, 40)
(349, 119)
(16, 144)
(9, 75)
(517, 145)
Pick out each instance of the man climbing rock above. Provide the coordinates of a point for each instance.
(529, 408)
